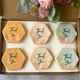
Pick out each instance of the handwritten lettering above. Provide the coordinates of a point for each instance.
(13, 30)
(67, 58)
(12, 57)
(66, 30)
(38, 33)
(39, 57)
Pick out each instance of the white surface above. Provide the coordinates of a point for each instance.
(27, 47)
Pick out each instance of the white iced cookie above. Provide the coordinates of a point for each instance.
(39, 33)
(41, 58)
(67, 59)
(65, 33)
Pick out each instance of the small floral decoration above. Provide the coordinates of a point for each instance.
(33, 10)
(44, 8)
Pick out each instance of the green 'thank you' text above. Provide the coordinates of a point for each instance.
(39, 57)
(13, 30)
(12, 56)
(66, 32)
(39, 31)
(68, 58)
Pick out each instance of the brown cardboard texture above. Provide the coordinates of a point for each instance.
(8, 10)
(68, 13)
(79, 13)
(78, 41)
(0, 8)
(1, 43)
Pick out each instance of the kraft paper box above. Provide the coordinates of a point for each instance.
(8, 12)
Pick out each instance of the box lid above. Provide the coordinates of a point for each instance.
(44, 73)
(68, 13)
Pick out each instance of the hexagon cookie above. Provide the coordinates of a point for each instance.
(41, 58)
(39, 33)
(65, 33)
(67, 59)
(13, 32)
(13, 59)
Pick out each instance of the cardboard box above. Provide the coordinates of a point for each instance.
(8, 12)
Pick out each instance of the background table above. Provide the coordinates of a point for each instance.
(40, 77)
